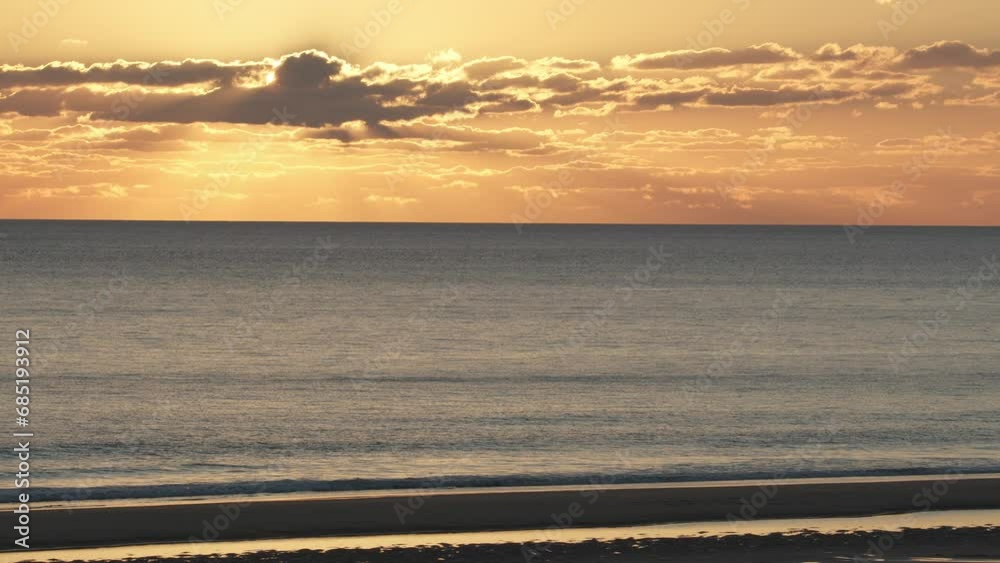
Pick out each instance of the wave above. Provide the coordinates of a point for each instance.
(288, 486)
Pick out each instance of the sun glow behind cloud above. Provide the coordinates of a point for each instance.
(755, 132)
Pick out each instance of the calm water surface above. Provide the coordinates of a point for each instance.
(176, 359)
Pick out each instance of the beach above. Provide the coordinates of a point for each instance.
(567, 426)
(970, 536)
(972, 545)
(463, 399)
(479, 510)
(387, 281)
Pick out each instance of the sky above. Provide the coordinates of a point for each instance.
(856, 112)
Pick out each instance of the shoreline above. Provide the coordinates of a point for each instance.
(308, 495)
(987, 520)
(457, 510)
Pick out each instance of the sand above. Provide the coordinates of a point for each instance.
(980, 545)
(477, 510)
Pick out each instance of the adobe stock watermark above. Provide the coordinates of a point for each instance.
(902, 11)
(750, 334)
(923, 500)
(389, 352)
(229, 512)
(712, 30)
(415, 160)
(249, 325)
(33, 24)
(640, 278)
(888, 197)
(86, 314)
(248, 151)
(418, 497)
(811, 451)
(958, 299)
(751, 507)
(755, 160)
(562, 12)
(363, 36)
(758, 157)
(539, 198)
(130, 99)
(570, 517)
(225, 7)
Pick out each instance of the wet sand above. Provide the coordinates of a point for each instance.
(480, 510)
(938, 545)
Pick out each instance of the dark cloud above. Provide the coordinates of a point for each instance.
(613, 91)
(336, 133)
(763, 97)
(313, 89)
(448, 97)
(709, 58)
(54, 101)
(833, 52)
(891, 89)
(510, 106)
(784, 73)
(459, 138)
(309, 69)
(339, 102)
(562, 82)
(654, 101)
(485, 68)
(852, 73)
(520, 81)
(309, 89)
(157, 74)
(575, 65)
(948, 54)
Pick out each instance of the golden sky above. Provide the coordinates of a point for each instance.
(722, 111)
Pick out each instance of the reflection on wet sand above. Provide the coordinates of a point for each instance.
(965, 536)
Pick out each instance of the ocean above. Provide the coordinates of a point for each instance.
(173, 359)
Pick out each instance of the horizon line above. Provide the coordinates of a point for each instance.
(523, 225)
